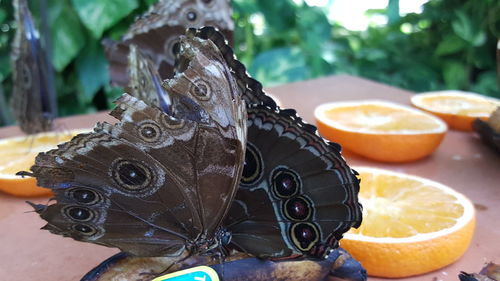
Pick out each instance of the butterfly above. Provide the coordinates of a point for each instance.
(225, 168)
(297, 195)
(33, 96)
(156, 33)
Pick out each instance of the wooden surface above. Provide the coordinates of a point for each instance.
(462, 162)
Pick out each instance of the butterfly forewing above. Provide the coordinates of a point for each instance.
(32, 96)
(157, 33)
(164, 183)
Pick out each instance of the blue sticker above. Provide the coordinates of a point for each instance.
(199, 273)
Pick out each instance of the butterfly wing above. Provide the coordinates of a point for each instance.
(156, 33)
(297, 194)
(32, 98)
(251, 89)
(152, 184)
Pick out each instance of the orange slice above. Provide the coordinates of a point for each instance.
(457, 108)
(380, 130)
(411, 225)
(18, 154)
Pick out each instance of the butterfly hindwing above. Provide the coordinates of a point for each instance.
(164, 183)
(297, 195)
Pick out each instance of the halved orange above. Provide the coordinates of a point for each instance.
(457, 108)
(380, 130)
(411, 225)
(18, 154)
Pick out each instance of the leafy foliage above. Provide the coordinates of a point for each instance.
(451, 44)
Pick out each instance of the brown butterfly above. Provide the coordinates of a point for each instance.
(153, 184)
(158, 183)
(33, 97)
(156, 33)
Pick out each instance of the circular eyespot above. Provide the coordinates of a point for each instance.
(252, 169)
(84, 229)
(285, 182)
(79, 213)
(84, 196)
(297, 209)
(191, 16)
(131, 175)
(171, 122)
(304, 235)
(171, 47)
(149, 132)
(201, 89)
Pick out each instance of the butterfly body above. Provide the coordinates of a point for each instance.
(32, 97)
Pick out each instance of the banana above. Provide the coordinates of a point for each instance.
(339, 265)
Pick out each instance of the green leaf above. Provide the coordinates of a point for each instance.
(315, 31)
(66, 33)
(280, 15)
(92, 70)
(3, 15)
(465, 28)
(4, 67)
(450, 45)
(112, 93)
(455, 75)
(280, 65)
(150, 2)
(487, 84)
(99, 15)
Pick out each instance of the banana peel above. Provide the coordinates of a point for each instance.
(489, 130)
(339, 266)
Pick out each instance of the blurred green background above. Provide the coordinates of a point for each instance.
(449, 44)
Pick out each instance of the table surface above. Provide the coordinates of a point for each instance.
(461, 161)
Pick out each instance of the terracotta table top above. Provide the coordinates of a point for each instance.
(462, 162)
